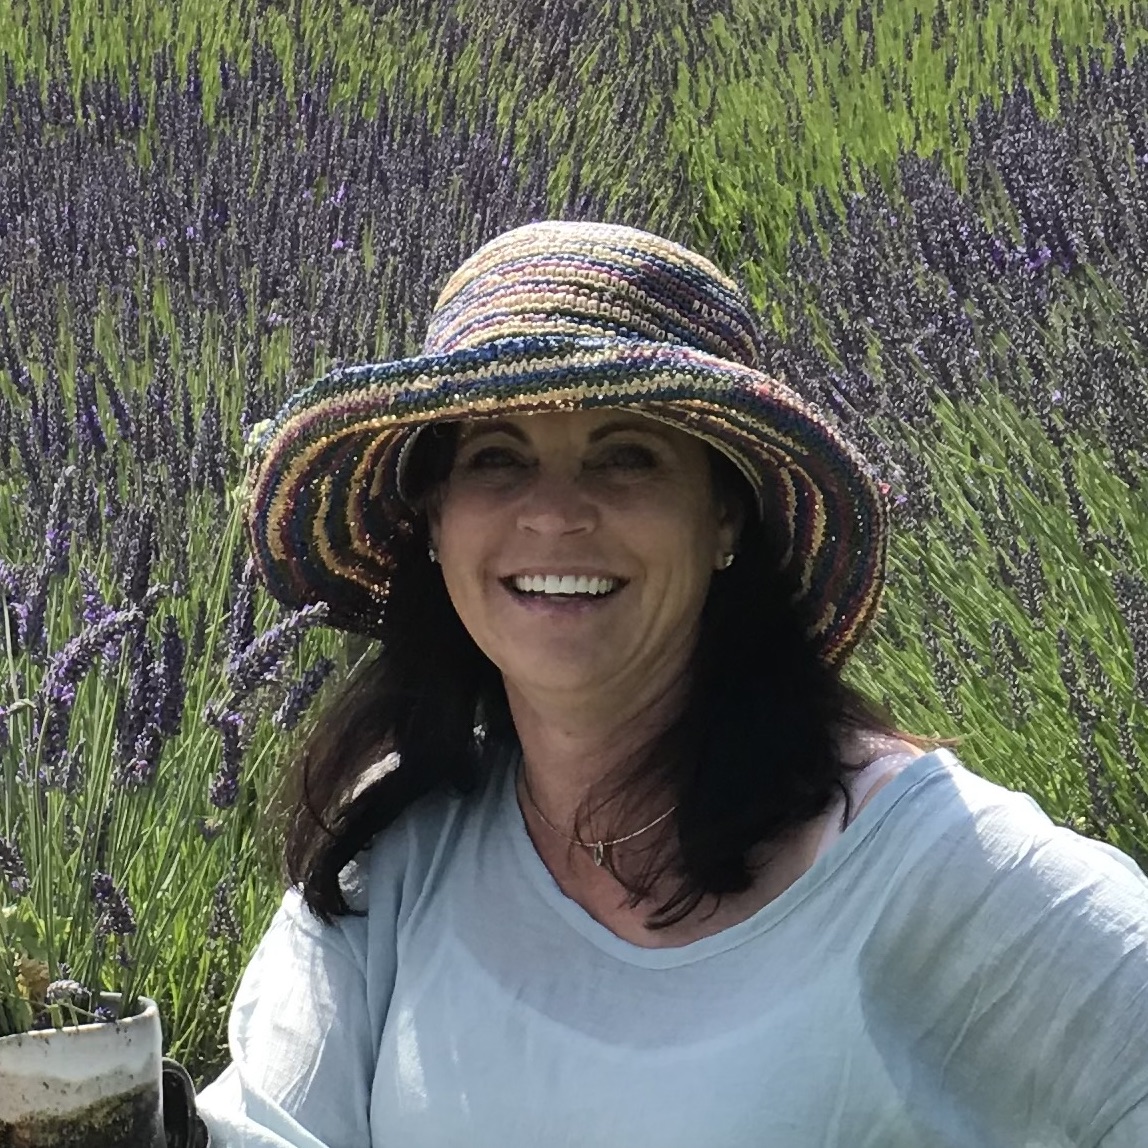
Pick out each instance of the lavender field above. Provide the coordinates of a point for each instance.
(941, 213)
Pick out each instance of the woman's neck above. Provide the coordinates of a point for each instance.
(571, 749)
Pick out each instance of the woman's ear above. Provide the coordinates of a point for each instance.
(434, 522)
(734, 503)
(731, 521)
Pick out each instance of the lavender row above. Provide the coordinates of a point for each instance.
(1026, 283)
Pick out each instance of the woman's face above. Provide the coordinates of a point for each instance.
(615, 512)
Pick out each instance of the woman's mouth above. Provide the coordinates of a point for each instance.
(562, 588)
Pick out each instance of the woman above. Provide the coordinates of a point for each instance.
(601, 850)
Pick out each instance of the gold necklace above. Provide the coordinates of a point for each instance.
(599, 847)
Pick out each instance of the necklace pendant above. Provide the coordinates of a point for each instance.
(599, 853)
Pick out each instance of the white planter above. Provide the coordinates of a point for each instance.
(85, 1086)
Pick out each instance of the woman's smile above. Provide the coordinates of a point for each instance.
(564, 584)
(551, 591)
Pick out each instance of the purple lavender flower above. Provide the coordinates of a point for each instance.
(224, 789)
(140, 769)
(261, 663)
(89, 429)
(1039, 261)
(95, 610)
(1132, 600)
(209, 828)
(223, 923)
(56, 695)
(138, 706)
(302, 694)
(68, 774)
(206, 469)
(105, 628)
(241, 620)
(53, 742)
(114, 916)
(1100, 788)
(66, 991)
(1130, 751)
(11, 584)
(30, 613)
(169, 716)
(137, 554)
(11, 598)
(12, 868)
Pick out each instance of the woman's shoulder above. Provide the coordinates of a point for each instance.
(955, 825)
(879, 759)
(988, 919)
(864, 746)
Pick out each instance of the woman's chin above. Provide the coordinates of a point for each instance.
(558, 672)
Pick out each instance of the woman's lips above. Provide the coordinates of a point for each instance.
(559, 603)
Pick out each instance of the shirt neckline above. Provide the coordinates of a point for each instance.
(759, 922)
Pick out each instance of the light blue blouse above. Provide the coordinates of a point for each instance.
(955, 971)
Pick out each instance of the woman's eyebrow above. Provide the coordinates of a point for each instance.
(625, 425)
(497, 426)
(615, 426)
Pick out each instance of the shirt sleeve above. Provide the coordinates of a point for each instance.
(1009, 975)
(303, 1032)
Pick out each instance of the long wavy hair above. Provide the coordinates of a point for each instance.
(753, 754)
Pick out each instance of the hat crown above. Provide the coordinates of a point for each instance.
(593, 280)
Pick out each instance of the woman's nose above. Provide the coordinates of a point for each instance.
(555, 504)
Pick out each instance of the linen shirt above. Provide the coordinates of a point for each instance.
(954, 970)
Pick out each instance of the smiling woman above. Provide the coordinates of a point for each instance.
(642, 867)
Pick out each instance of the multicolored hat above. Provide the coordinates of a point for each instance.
(560, 316)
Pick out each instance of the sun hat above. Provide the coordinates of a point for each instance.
(560, 315)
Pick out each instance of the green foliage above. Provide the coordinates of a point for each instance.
(956, 639)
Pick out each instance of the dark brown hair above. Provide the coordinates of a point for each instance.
(752, 755)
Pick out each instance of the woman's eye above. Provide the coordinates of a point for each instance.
(493, 458)
(628, 456)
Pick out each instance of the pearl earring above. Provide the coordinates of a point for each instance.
(432, 553)
(727, 560)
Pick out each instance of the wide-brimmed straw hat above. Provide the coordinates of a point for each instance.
(561, 316)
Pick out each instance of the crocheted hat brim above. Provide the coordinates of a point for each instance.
(325, 507)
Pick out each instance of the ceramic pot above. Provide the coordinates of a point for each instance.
(84, 1086)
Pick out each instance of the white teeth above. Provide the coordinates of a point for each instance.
(566, 584)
